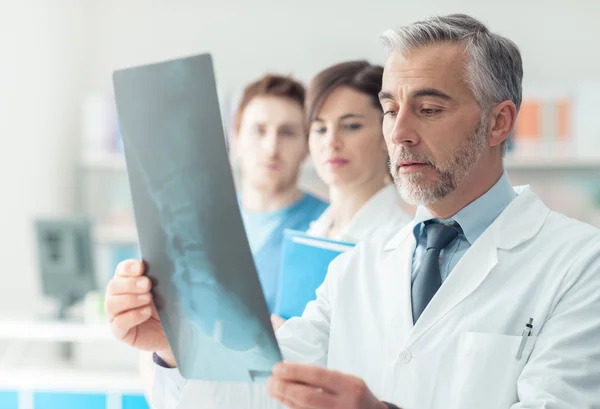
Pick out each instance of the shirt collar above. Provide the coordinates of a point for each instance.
(476, 217)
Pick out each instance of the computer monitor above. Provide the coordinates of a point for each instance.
(66, 262)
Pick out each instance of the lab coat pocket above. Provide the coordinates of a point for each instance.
(487, 370)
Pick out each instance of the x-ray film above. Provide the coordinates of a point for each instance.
(191, 235)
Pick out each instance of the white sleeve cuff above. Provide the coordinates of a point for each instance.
(167, 388)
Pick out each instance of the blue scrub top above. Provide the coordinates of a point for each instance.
(265, 232)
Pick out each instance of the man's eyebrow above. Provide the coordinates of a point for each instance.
(291, 124)
(425, 92)
(385, 95)
(431, 92)
(348, 116)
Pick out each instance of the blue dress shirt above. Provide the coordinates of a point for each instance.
(473, 220)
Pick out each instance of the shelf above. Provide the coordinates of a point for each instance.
(70, 379)
(116, 234)
(54, 331)
(552, 164)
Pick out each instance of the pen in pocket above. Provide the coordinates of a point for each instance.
(524, 336)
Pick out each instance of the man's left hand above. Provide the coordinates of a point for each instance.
(312, 387)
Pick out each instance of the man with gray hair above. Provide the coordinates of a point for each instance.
(487, 300)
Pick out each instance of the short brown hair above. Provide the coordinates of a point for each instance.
(270, 85)
(358, 75)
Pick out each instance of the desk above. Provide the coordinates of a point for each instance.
(58, 331)
(70, 388)
(61, 384)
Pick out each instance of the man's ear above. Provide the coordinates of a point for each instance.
(502, 120)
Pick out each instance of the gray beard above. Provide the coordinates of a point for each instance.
(450, 174)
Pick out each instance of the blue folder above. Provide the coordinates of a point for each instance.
(304, 264)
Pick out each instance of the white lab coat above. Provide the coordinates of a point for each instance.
(530, 263)
(383, 209)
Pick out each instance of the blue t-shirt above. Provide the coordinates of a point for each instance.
(265, 232)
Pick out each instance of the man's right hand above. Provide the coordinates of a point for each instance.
(133, 317)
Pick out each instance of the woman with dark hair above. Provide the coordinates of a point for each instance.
(346, 143)
(344, 118)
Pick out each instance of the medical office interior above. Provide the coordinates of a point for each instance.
(62, 158)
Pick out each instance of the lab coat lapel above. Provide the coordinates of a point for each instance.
(519, 222)
(379, 211)
(398, 267)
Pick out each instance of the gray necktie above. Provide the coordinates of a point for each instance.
(428, 278)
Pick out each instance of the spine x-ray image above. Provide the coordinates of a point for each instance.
(189, 225)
